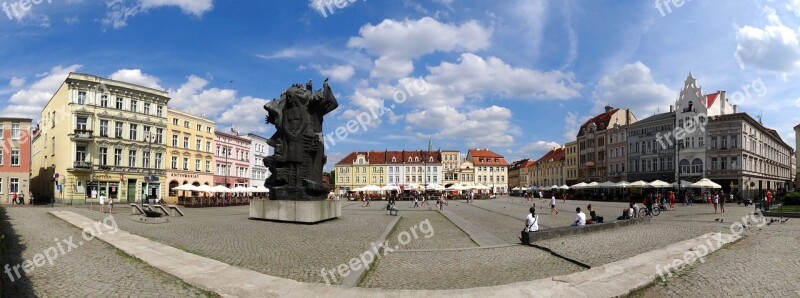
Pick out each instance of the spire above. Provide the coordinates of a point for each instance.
(430, 145)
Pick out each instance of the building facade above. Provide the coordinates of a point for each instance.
(592, 143)
(110, 139)
(744, 156)
(190, 152)
(514, 174)
(491, 169)
(451, 163)
(616, 151)
(550, 168)
(571, 162)
(797, 157)
(15, 158)
(650, 155)
(259, 149)
(232, 157)
(692, 112)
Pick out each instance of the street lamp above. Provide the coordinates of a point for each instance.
(148, 138)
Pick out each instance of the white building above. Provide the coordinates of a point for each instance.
(259, 149)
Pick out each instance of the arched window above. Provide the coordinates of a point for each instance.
(394, 159)
(697, 166)
(683, 166)
(173, 184)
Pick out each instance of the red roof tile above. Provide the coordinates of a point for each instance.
(601, 121)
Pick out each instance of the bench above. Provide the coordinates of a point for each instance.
(136, 210)
(176, 209)
(545, 234)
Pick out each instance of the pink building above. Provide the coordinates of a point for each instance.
(15, 158)
(232, 157)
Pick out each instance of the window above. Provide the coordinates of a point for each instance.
(208, 129)
(147, 108)
(186, 142)
(199, 128)
(117, 157)
(208, 166)
(159, 111)
(15, 131)
(14, 186)
(198, 144)
(104, 101)
(158, 160)
(118, 129)
(174, 121)
(134, 106)
(186, 124)
(119, 103)
(185, 163)
(146, 133)
(146, 159)
(133, 128)
(103, 128)
(15, 157)
(197, 165)
(81, 97)
(174, 162)
(1, 157)
(174, 140)
(159, 135)
(80, 153)
(103, 156)
(208, 146)
(132, 158)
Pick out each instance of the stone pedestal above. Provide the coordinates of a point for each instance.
(307, 212)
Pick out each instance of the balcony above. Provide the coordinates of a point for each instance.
(81, 166)
(82, 135)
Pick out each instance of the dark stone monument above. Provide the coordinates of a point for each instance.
(296, 190)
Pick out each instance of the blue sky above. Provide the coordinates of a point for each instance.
(517, 77)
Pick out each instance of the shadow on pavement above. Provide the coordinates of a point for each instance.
(10, 256)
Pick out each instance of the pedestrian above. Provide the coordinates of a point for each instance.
(715, 201)
(110, 206)
(416, 202)
(367, 199)
(30, 194)
(553, 204)
(14, 198)
(21, 198)
(580, 218)
(102, 200)
(722, 202)
(440, 203)
(564, 196)
(671, 200)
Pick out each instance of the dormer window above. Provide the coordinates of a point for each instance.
(410, 159)
(394, 159)
(416, 159)
(430, 159)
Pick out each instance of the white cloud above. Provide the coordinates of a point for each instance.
(572, 124)
(191, 97)
(338, 73)
(16, 82)
(28, 103)
(773, 48)
(397, 43)
(632, 87)
(135, 76)
(247, 115)
(538, 149)
(121, 10)
(793, 6)
(478, 128)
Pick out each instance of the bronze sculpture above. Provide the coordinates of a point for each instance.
(299, 157)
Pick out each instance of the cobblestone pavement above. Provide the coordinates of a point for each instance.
(465, 268)
(286, 250)
(445, 233)
(765, 263)
(94, 269)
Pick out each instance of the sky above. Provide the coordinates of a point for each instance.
(518, 78)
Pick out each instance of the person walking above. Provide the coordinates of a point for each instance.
(416, 202)
(30, 195)
(14, 198)
(21, 198)
(553, 204)
(722, 201)
(102, 200)
(110, 206)
(715, 202)
(671, 200)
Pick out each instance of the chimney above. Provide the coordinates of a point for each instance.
(735, 109)
(671, 108)
(608, 109)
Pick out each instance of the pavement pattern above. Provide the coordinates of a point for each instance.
(94, 269)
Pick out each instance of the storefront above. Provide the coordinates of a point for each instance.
(175, 179)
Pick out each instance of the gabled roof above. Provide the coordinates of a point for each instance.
(601, 121)
(552, 156)
(485, 157)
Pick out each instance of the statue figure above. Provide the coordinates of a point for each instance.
(299, 157)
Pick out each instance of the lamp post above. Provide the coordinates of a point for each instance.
(678, 163)
(148, 138)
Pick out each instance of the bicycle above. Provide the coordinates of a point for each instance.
(656, 211)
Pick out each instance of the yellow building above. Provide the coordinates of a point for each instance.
(571, 162)
(190, 154)
(110, 139)
(360, 169)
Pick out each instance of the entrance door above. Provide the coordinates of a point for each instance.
(131, 190)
